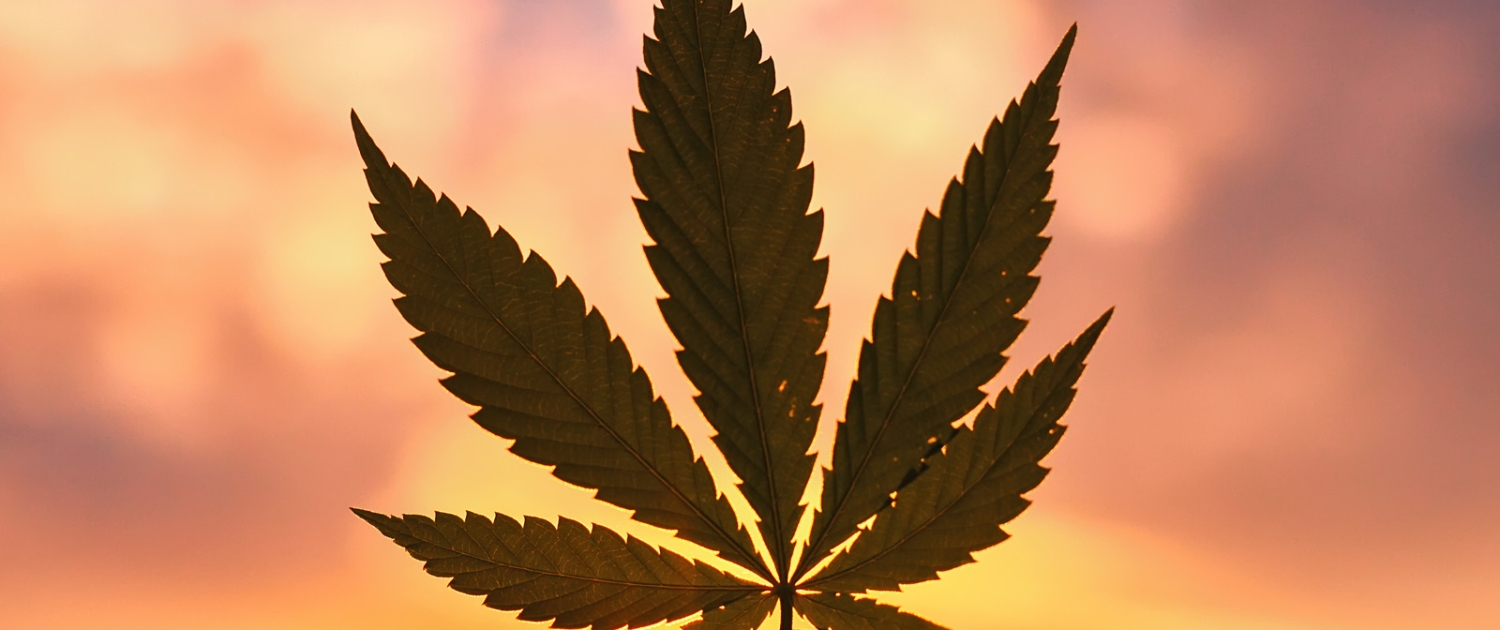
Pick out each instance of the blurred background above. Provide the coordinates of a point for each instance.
(1292, 423)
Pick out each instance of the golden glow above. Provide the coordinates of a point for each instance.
(185, 244)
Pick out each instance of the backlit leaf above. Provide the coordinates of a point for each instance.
(725, 201)
(726, 204)
(956, 507)
(842, 612)
(742, 614)
(544, 371)
(564, 573)
(951, 314)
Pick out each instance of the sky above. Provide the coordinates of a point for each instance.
(1292, 422)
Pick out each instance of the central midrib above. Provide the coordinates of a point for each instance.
(599, 580)
(621, 582)
(782, 557)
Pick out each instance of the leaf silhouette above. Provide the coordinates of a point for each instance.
(741, 614)
(951, 314)
(544, 373)
(564, 573)
(842, 612)
(725, 199)
(726, 205)
(973, 486)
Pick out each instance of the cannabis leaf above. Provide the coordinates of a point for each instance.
(544, 372)
(837, 610)
(952, 311)
(974, 483)
(727, 206)
(566, 573)
(725, 201)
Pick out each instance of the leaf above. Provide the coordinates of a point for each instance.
(567, 573)
(726, 206)
(975, 485)
(725, 201)
(842, 612)
(951, 315)
(742, 614)
(544, 373)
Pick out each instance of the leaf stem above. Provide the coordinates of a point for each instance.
(786, 594)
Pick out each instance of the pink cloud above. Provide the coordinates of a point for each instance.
(1289, 423)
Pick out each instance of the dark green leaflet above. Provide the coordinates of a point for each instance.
(726, 204)
(951, 314)
(564, 573)
(842, 612)
(544, 372)
(956, 506)
(741, 614)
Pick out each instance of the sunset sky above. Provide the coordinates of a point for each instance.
(1292, 423)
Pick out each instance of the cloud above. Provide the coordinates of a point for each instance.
(1289, 423)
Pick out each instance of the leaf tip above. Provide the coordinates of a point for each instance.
(380, 521)
(368, 516)
(1052, 73)
(1104, 319)
(372, 154)
(1086, 340)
